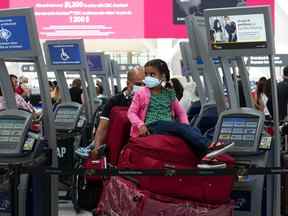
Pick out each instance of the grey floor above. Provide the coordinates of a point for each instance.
(67, 210)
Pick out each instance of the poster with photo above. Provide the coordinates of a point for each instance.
(238, 32)
(183, 8)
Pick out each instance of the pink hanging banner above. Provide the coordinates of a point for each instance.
(4, 4)
(89, 19)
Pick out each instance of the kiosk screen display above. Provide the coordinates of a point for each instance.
(11, 131)
(239, 129)
(14, 35)
(67, 115)
(64, 54)
(238, 32)
(95, 63)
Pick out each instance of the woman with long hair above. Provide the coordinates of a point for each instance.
(259, 97)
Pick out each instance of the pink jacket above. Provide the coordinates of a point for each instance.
(139, 107)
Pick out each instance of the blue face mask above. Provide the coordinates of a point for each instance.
(136, 89)
(151, 82)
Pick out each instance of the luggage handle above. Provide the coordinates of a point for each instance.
(169, 166)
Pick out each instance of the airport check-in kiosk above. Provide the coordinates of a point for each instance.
(245, 127)
(98, 66)
(116, 74)
(109, 71)
(71, 119)
(21, 145)
(199, 50)
(191, 66)
(253, 37)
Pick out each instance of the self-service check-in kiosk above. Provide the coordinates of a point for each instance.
(72, 120)
(64, 57)
(245, 127)
(23, 146)
(254, 195)
(116, 73)
(98, 68)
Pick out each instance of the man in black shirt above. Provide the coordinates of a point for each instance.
(135, 79)
(283, 95)
(76, 91)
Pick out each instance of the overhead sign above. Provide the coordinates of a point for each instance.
(95, 63)
(28, 68)
(64, 54)
(14, 35)
(263, 61)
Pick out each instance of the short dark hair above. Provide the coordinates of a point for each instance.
(285, 71)
(13, 76)
(55, 83)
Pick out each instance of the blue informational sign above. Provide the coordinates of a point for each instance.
(95, 63)
(14, 35)
(64, 54)
(199, 61)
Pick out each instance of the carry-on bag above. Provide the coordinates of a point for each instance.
(167, 152)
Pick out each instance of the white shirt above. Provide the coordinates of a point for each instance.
(264, 98)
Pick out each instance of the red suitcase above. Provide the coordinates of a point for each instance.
(121, 197)
(160, 152)
(118, 134)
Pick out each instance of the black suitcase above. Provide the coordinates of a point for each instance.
(89, 194)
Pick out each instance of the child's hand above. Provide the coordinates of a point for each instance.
(143, 131)
(94, 154)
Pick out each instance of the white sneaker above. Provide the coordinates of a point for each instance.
(212, 165)
(218, 150)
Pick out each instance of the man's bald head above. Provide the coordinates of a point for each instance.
(136, 75)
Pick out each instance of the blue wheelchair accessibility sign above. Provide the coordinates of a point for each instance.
(64, 54)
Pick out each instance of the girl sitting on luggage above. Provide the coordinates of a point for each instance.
(155, 110)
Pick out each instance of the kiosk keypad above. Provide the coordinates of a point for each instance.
(67, 115)
(11, 132)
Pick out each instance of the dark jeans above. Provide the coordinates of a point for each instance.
(192, 136)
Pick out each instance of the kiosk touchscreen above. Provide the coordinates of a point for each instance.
(67, 116)
(244, 128)
(239, 31)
